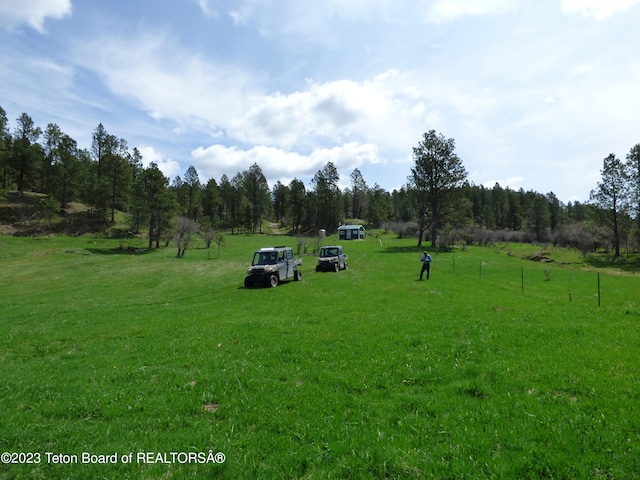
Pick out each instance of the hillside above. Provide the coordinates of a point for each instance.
(30, 214)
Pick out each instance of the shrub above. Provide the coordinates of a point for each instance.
(402, 229)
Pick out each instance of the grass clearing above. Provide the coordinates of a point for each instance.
(365, 373)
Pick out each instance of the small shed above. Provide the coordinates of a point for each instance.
(351, 232)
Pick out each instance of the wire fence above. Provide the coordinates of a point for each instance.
(546, 280)
(549, 281)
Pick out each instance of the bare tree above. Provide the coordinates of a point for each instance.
(220, 241)
(209, 236)
(185, 229)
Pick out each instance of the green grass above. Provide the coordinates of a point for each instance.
(366, 373)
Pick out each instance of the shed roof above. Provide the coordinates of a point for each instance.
(351, 227)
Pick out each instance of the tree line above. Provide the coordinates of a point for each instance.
(437, 203)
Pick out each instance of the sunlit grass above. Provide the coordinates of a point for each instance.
(491, 369)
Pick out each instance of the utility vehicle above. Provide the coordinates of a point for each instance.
(272, 265)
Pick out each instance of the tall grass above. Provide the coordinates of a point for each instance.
(493, 368)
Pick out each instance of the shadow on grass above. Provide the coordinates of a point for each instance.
(405, 249)
(282, 284)
(630, 264)
(119, 251)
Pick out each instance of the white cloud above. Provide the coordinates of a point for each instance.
(447, 10)
(389, 109)
(207, 9)
(217, 99)
(32, 12)
(597, 9)
(170, 168)
(512, 183)
(166, 81)
(278, 164)
(332, 111)
(308, 17)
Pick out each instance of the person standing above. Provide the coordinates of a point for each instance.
(426, 264)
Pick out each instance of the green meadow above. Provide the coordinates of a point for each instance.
(122, 363)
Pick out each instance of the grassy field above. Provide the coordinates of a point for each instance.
(497, 367)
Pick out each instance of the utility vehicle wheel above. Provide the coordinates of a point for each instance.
(297, 275)
(346, 266)
(247, 282)
(273, 281)
(336, 267)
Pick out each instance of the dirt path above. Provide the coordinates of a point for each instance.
(274, 227)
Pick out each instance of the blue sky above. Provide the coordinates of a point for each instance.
(536, 93)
